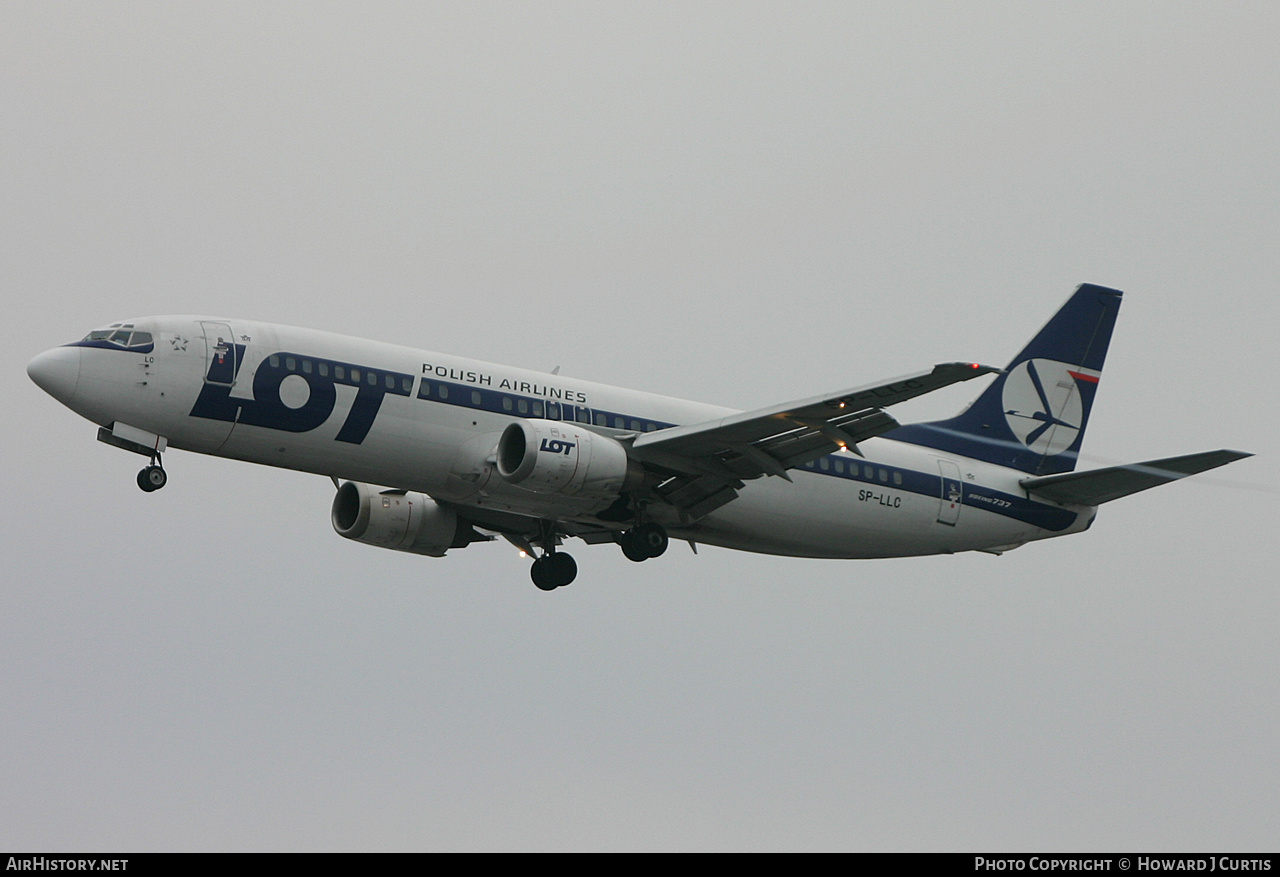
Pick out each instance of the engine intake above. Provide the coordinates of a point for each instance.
(398, 520)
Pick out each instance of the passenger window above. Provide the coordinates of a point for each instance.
(649, 427)
(424, 390)
(584, 415)
(897, 478)
(355, 376)
(290, 363)
(442, 391)
(306, 366)
(324, 369)
(407, 384)
(839, 464)
(390, 381)
(340, 372)
(619, 423)
(522, 406)
(553, 411)
(537, 407)
(884, 475)
(475, 398)
(273, 361)
(506, 403)
(602, 419)
(824, 464)
(371, 378)
(635, 426)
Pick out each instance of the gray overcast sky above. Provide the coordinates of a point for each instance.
(739, 203)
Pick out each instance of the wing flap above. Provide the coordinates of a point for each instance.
(1103, 485)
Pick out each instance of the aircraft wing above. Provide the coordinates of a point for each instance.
(710, 460)
(1103, 485)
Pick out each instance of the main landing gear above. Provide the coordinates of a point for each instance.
(553, 570)
(643, 541)
(153, 477)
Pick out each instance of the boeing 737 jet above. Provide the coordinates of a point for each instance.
(431, 452)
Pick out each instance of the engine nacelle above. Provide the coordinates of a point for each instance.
(561, 458)
(397, 520)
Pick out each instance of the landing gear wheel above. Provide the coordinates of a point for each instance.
(654, 539)
(643, 542)
(632, 548)
(551, 571)
(541, 575)
(564, 569)
(152, 478)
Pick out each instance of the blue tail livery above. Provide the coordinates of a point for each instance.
(1032, 417)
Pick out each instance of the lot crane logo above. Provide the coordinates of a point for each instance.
(1042, 404)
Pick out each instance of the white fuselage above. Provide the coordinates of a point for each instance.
(428, 422)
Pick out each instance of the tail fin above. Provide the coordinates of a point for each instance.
(1034, 415)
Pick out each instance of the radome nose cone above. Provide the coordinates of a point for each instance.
(57, 372)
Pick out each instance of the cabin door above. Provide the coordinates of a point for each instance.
(952, 493)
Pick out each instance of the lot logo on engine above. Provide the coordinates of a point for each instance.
(556, 446)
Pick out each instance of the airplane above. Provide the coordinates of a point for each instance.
(431, 452)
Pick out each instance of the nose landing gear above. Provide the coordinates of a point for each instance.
(153, 477)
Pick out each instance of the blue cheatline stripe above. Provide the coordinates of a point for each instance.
(843, 466)
(516, 405)
(1010, 505)
(109, 345)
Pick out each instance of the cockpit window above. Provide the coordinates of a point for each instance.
(120, 335)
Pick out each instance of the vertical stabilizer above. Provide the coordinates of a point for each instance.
(1033, 416)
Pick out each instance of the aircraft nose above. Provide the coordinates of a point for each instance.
(57, 372)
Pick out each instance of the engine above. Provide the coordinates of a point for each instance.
(562, 459)
(398, 520)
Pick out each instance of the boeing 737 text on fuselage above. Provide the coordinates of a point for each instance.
(432, 452)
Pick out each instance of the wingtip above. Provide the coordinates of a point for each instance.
(976, 369)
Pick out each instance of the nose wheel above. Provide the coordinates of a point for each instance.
(152, 478)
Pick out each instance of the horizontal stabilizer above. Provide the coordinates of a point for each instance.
(1103, 485)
